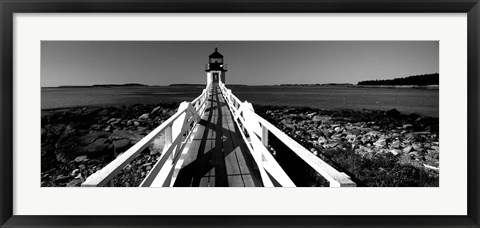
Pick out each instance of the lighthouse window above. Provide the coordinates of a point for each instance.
(215, 60)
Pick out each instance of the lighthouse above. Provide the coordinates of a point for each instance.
(215, 68)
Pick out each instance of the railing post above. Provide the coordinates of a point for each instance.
(168, 139)
(265, 136)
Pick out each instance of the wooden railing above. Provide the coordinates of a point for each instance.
(176, 129)
(255, 130)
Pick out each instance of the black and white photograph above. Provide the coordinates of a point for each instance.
(239, 114)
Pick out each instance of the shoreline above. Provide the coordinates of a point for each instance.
(77, 141)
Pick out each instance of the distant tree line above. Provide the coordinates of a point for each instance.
(419, 80)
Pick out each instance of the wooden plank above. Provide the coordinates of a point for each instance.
(204, 182)
(235, 181)
(237, 144)
(248, 181)
(240, 150)
(218, 157)
(231, 160)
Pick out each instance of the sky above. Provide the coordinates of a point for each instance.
(249, 62)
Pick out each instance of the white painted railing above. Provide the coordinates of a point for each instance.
(253, 125)
(176, 129)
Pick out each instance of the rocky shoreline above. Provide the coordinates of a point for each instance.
(77, 142)
(375, 148)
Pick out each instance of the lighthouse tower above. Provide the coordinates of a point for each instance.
(215, 68)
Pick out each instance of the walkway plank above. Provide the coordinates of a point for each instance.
(216, 156)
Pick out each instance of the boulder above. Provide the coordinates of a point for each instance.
(157, 145)
(71, 146)
(57, 129)
(80, 158)
(289, 126)
(98, 146)
(121, 145)
(156, 111)
(143, 117)
(392, 113)
(125, 134)
(321, 119)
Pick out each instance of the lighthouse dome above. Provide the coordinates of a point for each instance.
(216, 54)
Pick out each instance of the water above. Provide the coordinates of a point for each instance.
(421, 101)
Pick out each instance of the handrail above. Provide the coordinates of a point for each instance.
(190, 113)
(256, 125)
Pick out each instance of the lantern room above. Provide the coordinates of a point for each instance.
(215, 68)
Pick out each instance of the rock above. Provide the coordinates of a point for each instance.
(72, 146)
(330, 145)
(75, 172)
(96, 127)
(314, 136)
(77, 182)
(413, 154)
(129, 123)
(407, 149)
(326, 133)
(322, 119)
(395, 144)
(338, 129)
(143, 117)
(57, 129)
(365, 149)
(136, 123)
(392, 113)
(80, 158)
(121, 145)
(395, 152)
(156, 111)
(157, 145)
(62, 179)
(108, 128)
(322, 140)
(365, 139)
(380, 143)
(289, 126)
(407, 126)
(417, 146)
(351, 138)
(111, 120)
(409, 136)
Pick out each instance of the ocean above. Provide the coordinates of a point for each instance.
(406, 100)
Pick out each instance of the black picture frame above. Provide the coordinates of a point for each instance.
(9, 7)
